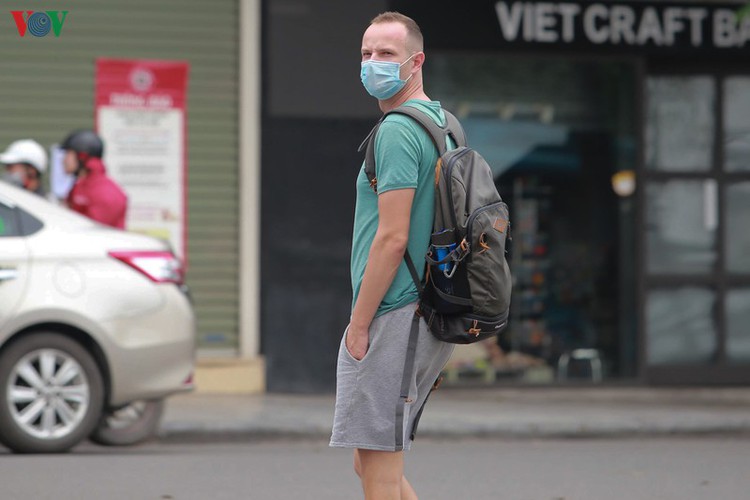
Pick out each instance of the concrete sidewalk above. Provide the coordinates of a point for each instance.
(491, 412)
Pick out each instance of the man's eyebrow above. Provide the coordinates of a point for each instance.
(384, 48)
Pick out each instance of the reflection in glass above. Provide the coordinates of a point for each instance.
(680, 325)
(680, 124)
(737, 124)
(738, 228)
(681, 220)
(738, 325)
(518, 111)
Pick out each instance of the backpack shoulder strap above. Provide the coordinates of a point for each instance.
(369, 146)
(437, 133)
(455, 130)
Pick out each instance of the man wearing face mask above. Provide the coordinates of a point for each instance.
(25, 162)
(399, 216)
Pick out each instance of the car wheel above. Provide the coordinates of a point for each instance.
(130, 424)
(51, 394)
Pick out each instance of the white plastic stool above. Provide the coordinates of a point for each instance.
(590, 355)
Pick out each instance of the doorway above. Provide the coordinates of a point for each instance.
(554, 131)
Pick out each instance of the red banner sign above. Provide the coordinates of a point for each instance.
(141, 116)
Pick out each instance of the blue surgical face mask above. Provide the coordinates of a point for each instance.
(382, 79)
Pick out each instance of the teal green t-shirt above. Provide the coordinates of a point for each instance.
(405, 158)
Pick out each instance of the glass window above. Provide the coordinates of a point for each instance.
(16, 222)
(738, 222)
(553, 130)
(738, 325)
(680, 325)
(28, 224)
(519, 111)
(680, 123)
(737, 124)
(8, 221)
(681, 221)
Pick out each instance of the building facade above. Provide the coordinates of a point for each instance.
(619, 133)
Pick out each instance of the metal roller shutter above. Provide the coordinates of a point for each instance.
(47, 85)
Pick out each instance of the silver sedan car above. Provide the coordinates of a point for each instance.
(96, 328)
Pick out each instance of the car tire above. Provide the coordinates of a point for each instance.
(51, 394)
(129, 425)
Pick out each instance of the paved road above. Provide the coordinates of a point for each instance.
(637, 469)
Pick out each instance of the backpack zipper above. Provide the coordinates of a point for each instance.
(478, 212)
(447, 176)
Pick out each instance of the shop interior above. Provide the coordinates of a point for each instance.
(555, 132)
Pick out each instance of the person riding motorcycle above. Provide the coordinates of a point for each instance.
(94, 194)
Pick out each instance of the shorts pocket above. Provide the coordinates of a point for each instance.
(349, 354)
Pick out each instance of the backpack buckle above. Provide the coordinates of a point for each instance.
(474, 330)
(458, 254)
(483, 243)
(374, 184)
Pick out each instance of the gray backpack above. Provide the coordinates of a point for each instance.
(465, 296)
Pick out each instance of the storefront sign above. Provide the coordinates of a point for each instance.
(638, 27)
(635, 24)
(141, 116)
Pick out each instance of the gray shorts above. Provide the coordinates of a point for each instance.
(368, 391)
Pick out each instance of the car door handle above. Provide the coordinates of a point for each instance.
(7, 274)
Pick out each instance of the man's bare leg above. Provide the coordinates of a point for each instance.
(407, 492)
(382, 475)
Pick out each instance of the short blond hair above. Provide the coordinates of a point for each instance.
(412, 28)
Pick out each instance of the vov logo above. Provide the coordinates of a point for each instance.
(39, 23)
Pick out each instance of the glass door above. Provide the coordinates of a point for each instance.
(696, 248)
(736, 163)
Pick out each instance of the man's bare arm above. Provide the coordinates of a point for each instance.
(386, 254)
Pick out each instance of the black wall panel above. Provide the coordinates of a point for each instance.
(308, 193)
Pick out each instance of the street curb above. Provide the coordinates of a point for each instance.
(177, 434)
(488, 414)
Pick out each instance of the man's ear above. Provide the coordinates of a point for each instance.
(418, 60)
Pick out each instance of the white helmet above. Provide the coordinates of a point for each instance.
(26, 151)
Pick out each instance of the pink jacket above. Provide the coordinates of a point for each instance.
(98, 197)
